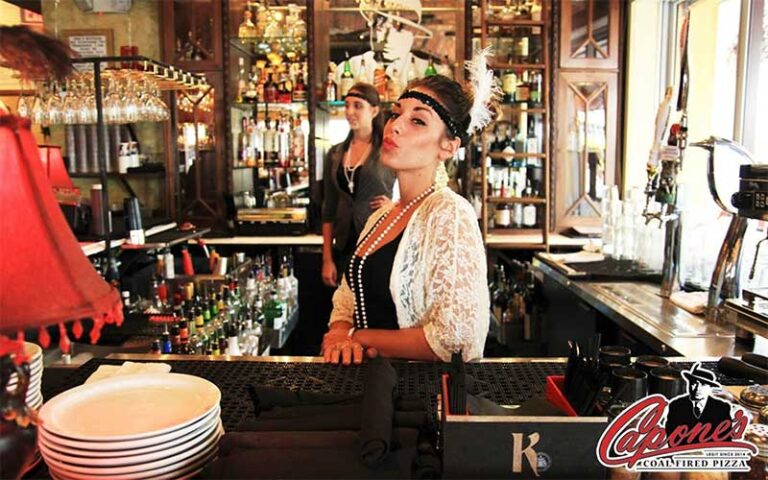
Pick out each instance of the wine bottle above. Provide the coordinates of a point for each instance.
(347, 79)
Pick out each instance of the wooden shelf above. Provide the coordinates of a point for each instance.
(518, 66)
(528, 200)
(267, 106)
(515, 23)
(516, 155)
(516, 109)
(490, 31)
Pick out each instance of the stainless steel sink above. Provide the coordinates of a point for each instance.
(644, 302)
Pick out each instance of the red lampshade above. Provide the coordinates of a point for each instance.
(53, 164)
(44, 276)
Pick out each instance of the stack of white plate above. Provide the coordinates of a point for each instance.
(35, 358)
(158, 425)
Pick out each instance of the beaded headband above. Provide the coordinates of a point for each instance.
(358, 95)
(440, 110)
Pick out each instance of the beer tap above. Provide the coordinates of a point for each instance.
(664, 165)
(725, 277)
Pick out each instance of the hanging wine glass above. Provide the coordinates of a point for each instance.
(131, 99)
(88, 114)
(39, 112)
(70, 110)
(113, 103)
(23, 106)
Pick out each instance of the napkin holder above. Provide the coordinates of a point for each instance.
(560, 446)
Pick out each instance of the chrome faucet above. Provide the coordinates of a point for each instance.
(663, 187)
(725, 277)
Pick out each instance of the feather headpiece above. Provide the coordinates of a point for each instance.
(485, 89)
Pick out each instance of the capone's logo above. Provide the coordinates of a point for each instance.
(693, 431)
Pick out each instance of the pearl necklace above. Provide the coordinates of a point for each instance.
(361, 319)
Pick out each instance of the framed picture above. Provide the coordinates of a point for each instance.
(89, 43)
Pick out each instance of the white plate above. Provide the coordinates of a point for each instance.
(186, 472)
(58, 442)
(130, 457)
(165, 465)
(129, 407)
(146, 449)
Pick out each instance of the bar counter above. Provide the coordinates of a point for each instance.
(472, 446)
(637, 308)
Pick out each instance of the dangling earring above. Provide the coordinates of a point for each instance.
(441, 176)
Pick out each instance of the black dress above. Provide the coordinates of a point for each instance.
(380, 308)
(342, 253)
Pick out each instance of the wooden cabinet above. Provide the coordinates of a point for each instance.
(588, 97)
(193, 41)
(586, 145)
(193, 37)
(590, 34)
(514, 176)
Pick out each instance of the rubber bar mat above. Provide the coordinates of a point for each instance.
(504, 383)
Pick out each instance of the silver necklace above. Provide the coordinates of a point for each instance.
(356, 277)
(349, 171)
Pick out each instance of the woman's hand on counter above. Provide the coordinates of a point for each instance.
(329, 273)
(339, 347)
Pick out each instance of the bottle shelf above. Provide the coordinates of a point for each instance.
(504, 156)
(515, 108)
(269, 167)
(518, 66)
(257, 46)
(250, 106)
(526, 200)
(515, 23)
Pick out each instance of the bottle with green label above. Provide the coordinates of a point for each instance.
(347, 79)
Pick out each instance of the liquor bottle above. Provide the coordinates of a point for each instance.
(413, 73)
(241, 83)
(533, 142)
(523, 89)
(331, 89)
(298, 150)
(283, 93)
(529, 210)
(247, 28)
(299, 91)
(509, 85)
(242, 143)
(270, 150)
(270, 90)
(521, 138)
(362, 73)
(430, 70)
(380, 74)
(394, 86)
(347, 79)
(508, 144)
(521, 49)
(501, 216)
(536, 88)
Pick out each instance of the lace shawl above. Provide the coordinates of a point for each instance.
(438, 278)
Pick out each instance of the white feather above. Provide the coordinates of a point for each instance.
(485, 89)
